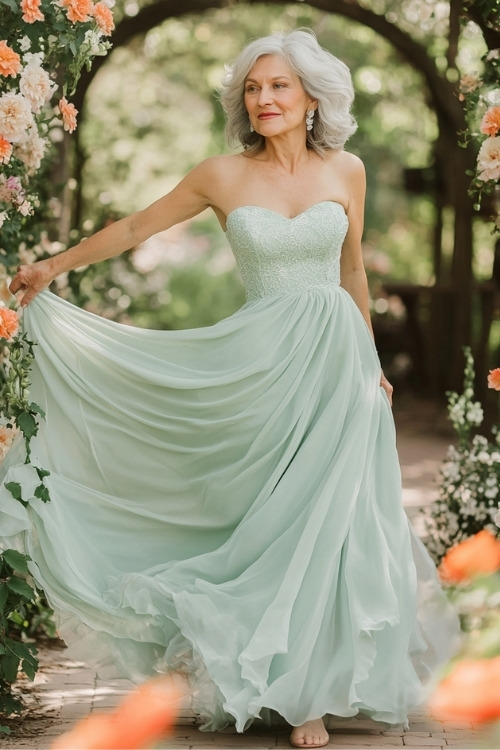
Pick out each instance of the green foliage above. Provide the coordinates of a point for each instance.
(16, 595)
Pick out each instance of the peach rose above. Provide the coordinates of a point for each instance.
(35, 84)
(470, 693)
(478, 555)
(31, 11)
(488, 159)
(7, 435)
(494, 379)
(78, 10)
(104, 18)
(9, 323)
(69, 113)
(490, 124)
(10, 62)
(143, 717)
(5, 150)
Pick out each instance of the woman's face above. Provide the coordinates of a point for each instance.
(274, 97)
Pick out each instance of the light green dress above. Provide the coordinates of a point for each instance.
(226, 501)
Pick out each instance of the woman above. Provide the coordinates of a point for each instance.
(226, 501)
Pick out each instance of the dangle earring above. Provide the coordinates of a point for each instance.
(251, 128)
(309, 119)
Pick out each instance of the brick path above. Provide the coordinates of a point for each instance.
(65, 691)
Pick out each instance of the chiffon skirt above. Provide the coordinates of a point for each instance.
(226, 502)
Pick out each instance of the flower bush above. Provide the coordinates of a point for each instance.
(469, 485)
(481, 97)
(470, 687)
(44, 45)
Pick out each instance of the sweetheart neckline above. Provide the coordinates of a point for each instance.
(286, 218)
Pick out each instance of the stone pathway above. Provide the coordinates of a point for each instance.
(65, 691)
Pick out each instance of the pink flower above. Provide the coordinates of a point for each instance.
(10, 62)
(494, 379)
(104, 18)
(78, 10)
(31, 11)
(9, 323)
(7, 435)
(69, 113)
(5, 150)
(490, 124)
(488, 159)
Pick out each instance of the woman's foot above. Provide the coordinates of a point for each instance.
(310, 734)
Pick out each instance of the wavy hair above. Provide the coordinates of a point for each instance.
(324, 77)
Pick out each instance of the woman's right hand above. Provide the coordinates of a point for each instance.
(31, 279)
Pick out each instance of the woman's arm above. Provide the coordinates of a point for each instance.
(352, 270)
(186, 200)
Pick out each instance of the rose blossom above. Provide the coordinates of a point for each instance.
(35, 84)
(468, 84)
(477, 555)
(31, 11)
(78, 10)
(10, 62)
(5, 150)
(494, 379)
(15, 116)
(469, 692)
(104, 18)
(490, 124)
(69, 113)
(488, 159)
(9, 323)
(31, 151)
(7, 435)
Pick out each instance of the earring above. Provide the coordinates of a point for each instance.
(309, 119)
(251, 128)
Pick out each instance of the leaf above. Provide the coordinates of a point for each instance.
(15, 490)
(4, 593)
(16, 560)
(42, 473)
(4, 730)
(42, 493)
(9, 664)
(37, 409)
(27, 424)
(20, 587)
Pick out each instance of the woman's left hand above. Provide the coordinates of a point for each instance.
(387, 387)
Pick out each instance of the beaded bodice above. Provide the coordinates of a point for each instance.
(277, 255)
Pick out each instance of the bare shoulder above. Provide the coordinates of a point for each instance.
(348, 163)
(221, 165)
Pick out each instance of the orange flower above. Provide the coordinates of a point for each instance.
(480, 554)
(141, 719)
(494, 379)
(10, 62)
(78, 10)
(9, 323)
(470, 693)
(490, 124)
(5, 150)
(69, 113)
(104, 18)
(31, 11)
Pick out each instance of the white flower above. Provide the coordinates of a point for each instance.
(3, 216)
(475, 412)
(493, 54)
(93, 38)
(15, 117)
(488, 159)
(31, 151)
(35, 84)
(25, 43)
(496, 518)
(25, 208)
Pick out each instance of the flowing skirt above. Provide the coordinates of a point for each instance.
(226, 502)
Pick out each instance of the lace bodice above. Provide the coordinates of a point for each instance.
(277, 255)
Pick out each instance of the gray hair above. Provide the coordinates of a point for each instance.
(324, 77)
